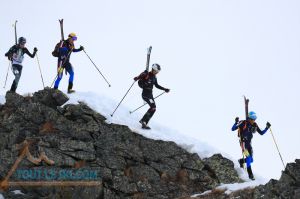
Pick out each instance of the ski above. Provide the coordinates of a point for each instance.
(60, 64)
(15, 27)
(246, 101)
(61, 23)
(246, 106)
(148, 58)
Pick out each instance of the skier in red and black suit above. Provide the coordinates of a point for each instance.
(146, 81)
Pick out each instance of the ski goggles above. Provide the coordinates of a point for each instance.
(74, 38)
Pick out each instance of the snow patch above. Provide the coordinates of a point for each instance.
(2, 99)
(1, 196)
(201, 194)
(229, 188)
(239, 186)
(18, 192)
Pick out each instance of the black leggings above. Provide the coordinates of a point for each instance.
(150, 101)
(17, 71)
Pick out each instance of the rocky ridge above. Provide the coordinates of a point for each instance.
(74, 137)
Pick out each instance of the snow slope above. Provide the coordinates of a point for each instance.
(106, 106)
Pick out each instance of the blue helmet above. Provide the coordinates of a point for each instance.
(252, 115)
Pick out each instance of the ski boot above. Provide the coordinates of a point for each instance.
(70, 88)
(13, 87)
(144, 125)
(241, 161)
(71, 91)
(250, 174)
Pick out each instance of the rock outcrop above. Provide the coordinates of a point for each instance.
(73, 137)
(287, 187)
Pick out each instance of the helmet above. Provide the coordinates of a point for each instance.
(22, 40)
(252, 115)
(156, 67)
(73, 36)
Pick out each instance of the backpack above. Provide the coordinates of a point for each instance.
(55, 52)
(11, 51)
(142, 82)
(241, 129)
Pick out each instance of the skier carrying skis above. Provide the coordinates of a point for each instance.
(16, 56)
(146, 82)
(64, 52)
(246, 129)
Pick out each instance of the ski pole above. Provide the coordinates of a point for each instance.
(37, 58)
(97, 68)
(122, 99)
(6, 75)
(277, 148)
(145, 104)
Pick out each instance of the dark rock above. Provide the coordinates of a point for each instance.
(75, 136)
(50, 97)
(13, 99)
(222, 168)
(288, 186)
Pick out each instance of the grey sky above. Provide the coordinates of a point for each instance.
(211, 52)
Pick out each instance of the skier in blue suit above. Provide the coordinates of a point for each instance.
(246, 129)
(64, 60)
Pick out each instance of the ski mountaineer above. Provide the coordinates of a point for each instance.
(67, 47)
(146, 82)
(16, 56)
(246, 129)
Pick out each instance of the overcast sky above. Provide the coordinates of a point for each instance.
(211, 52)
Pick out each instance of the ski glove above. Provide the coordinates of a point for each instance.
(167, 90)
(268, 125)
(81, 48)
(136, 78)
(35, 49)
(237, 119)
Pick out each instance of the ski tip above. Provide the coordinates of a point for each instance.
(111, 115)
(245, 98)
